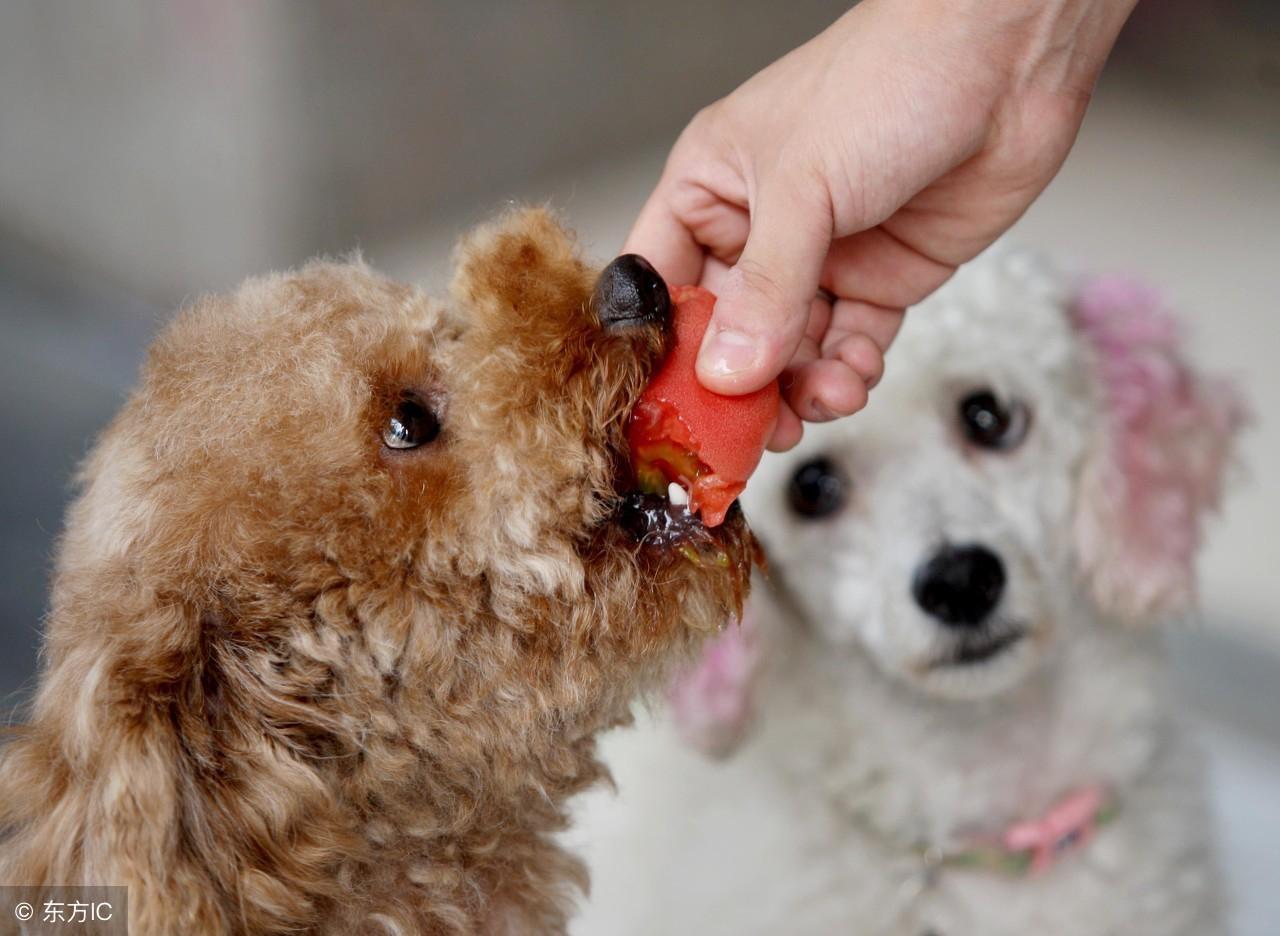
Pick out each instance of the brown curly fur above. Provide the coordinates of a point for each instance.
(297, 682)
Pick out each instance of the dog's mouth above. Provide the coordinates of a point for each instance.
(976, 649)
(678, 552)
(667, 524)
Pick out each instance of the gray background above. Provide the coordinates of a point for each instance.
(150, 151)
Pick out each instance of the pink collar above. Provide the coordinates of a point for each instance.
(1068, 826)
(1035, 846)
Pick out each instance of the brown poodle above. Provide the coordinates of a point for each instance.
(352, 585)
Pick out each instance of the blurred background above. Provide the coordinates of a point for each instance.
(152, 151)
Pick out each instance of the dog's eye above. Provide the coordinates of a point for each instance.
(410, 425)
(990, 424)
(818, 489)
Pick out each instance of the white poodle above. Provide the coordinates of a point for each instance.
(949, 716)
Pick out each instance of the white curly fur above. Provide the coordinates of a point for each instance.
(861, 745)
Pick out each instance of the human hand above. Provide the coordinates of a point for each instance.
(870, 162)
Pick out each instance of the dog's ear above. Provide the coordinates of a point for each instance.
(91, 791)
(1157, 463)
(521, 276)
(711, 701)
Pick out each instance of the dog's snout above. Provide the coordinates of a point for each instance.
(630, 292)
(960, 585)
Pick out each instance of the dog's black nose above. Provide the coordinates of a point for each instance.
(959, 585)
(630, 292)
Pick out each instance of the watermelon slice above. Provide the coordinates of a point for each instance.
(687, 441)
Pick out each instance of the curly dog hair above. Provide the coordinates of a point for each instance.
(298, 680)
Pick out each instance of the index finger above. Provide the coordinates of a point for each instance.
(665, 241)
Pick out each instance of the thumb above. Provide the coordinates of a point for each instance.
(764, 301)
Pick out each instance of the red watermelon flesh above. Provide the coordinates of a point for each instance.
(684, 433)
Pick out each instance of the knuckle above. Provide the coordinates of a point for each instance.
(758, 279)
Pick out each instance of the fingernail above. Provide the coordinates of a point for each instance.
(822, 412)
(728, 353)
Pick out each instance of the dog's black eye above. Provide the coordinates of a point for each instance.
(818, 489)
(990, 424)
(410, 424)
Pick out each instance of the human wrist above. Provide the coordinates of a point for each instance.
(1048, 45)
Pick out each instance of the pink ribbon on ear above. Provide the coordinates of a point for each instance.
(1170, 443)
(712, 701)
(1068, 826)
